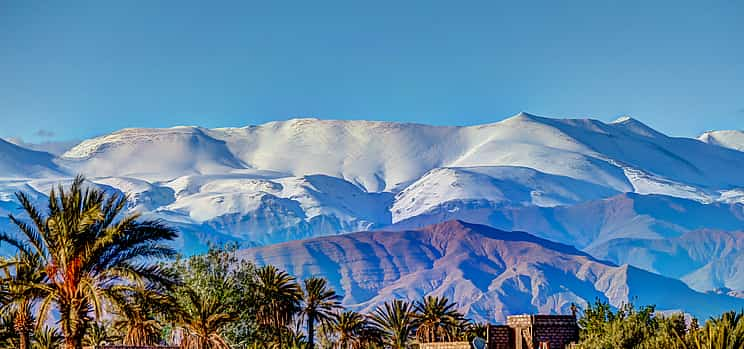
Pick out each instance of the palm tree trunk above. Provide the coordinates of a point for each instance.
(72, 328)
(24, 341)
(24, 337)
(310, 331)
(23, 324)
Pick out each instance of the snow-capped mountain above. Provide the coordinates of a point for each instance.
(728, 139)
(491, 273)
(624, 155)
(19, 162)
(151, 154)
(578, 181)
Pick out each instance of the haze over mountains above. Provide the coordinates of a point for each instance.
(620, 191)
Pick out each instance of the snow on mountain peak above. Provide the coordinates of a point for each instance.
(386, 156)
(152, 153)
(623, 119)
(17, 161)
(731, 139)
(302, 178)
(633, 125)
(124, 137)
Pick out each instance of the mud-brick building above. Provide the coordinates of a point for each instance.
(534, 332)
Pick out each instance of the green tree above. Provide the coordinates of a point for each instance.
(19, 271)
(47, 338)
(396, 322)
(139, 315)
(642, 328)
(351, 330)
(99, 334)
(596, 317)
(723, 332)
(279, 298)
(89, 252)
(203, 320)
(438, 320)
(319, 302)
(628, 327)
(218, 299)
(8, 337)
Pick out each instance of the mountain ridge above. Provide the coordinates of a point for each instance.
(491, 273)
(579, 181)
(365, 163)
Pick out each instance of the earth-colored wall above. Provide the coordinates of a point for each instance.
(449, 345)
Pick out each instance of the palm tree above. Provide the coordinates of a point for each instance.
(396, 322)
(47, 338)
(202, 320)
(347, 327)
(294, 339)
(99, 334)
(138, 328)
(8, 337)
(21, 270)
(437, 320)
(138, 316)
(4, 292)
(369, 337)
(470, 331)
(279, 297)
(724, 332)
(24, 323)
(88, 254)
(318, 304)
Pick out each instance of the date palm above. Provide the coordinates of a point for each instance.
(396, 323)
(47, 338)
(4, 292)
(319, 302)
(99, 334)
(88, 252)
(8, 337)
(348, 327)
(19, 271)
(370, 337)
(136, 316)
(202, 320)
(437, 320)
(279, 297)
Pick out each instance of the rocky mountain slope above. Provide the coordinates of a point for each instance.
(705, 259)
(594, 222)
(491, 273)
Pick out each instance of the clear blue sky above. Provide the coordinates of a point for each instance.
(73, 69)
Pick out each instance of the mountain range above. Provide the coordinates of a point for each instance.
(619, 191)
(491, 273)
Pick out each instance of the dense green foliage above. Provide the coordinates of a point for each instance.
(227, 303)
(642, 328)
(217, 303)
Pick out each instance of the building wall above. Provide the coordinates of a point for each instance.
(448, 345)
(543, 331)
(500, 337)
